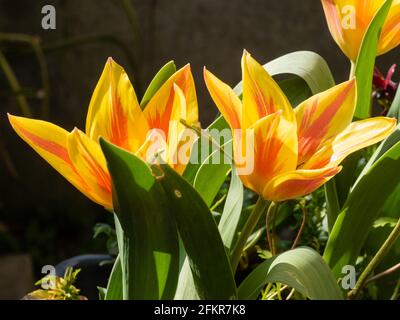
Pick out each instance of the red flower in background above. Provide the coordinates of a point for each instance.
(384, 87)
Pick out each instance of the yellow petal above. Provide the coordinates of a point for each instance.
(272, 152)
(114, 112)
(89, 161)
(158, 110)
(176, 128)
(390, 36)
(323, 116)
(261, 94)
(50, 142)
(348, 21)
(356, 136)
(225, 99)
(294, 184)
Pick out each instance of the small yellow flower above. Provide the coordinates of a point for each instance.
(114, 114)
(294, 151)
(348, 21)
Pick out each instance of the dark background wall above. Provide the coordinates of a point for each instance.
(39, 212)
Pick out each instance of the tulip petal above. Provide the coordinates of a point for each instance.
(114, 112)
(390, 36)
(348, 21)
(176, 128)
(261, 94)
(272, 152)
(356, 136)
(50, 142)
(294, 184)
(158, 110)
(225, 99)
(88, 159)
(323, 116)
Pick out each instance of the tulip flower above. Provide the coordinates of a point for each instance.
(114, 114)
(297, 150)
(348, 21)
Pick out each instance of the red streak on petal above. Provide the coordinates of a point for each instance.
(47, 145)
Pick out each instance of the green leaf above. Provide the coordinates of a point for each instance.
(218, 170)
(385, 221)
(195, 159)
(394, 111)
(296, 90)
(338, 188)
(208, 260)
(365, 63)
(146, 232)
(309, 66)
(385, 145)
(232, 210)
(361, 210)
(302, 269)
(114, 287)
(159, 79)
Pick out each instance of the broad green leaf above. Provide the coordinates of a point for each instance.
(232, 210)
(364, 68)
(159, 79)
(308, 65)
(211, 270)
(302, 269)
(114, 287)
(361, 209)
(146, 232)
(385, 145)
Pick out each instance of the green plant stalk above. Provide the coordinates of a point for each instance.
(270, 220)
(44, 73)
(132, 18)
(247, 230)
(15, 86)
(35, 44)
(382, 252)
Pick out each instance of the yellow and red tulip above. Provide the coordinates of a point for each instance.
(114, 114)
(295, 151)
(348, 21)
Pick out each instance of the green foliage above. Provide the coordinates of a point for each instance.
(145, 228)
(58, 288)
(302, 269)
(365, 63)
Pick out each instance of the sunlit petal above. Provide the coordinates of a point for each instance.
(293, 184)
(356, 136)
(261, 94)
(50, 142)
(158, 110)
(225, 99)
(323, 116)
(89, 161)
(114, 112)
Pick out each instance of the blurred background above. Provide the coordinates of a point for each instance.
(51, 74)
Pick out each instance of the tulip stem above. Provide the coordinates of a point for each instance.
(270, 221)
(387, 245)
(247, 230)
